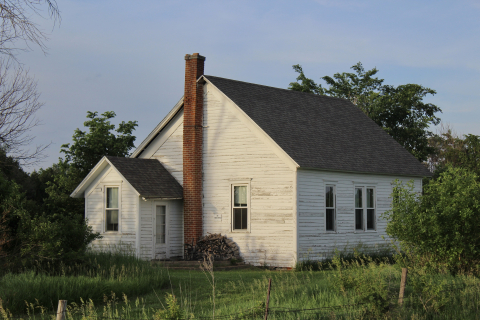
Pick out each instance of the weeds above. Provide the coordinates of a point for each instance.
(378, 254)
(207, 268)
(354, 289)
(366, 282)
(104, 273)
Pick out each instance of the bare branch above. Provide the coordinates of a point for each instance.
(19, 101)
(16, 24)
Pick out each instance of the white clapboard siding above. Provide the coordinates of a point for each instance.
(146, 230)
(314, 241)
(124, 240)
(233, 153)
(174, 225)
(167, 147)
(175, 228)
(170, 154)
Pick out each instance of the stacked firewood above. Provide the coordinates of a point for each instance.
(216, 245)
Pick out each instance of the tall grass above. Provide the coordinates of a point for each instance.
(103, 273)
(378, 253)
(241, 294)
(295, 295)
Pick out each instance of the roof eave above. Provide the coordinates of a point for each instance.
(80, 189)
(161, 198)
(102, 164)
(368, 172)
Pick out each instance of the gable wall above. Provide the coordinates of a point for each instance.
(313, 240)
(167, 147)
(233, 152)
(124, 239)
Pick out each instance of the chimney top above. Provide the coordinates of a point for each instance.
(194, 56)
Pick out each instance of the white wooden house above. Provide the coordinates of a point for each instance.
(286, 175)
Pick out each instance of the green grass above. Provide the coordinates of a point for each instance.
(102, 274)
(238, 294)
(238, 291)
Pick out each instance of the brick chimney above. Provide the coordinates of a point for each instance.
(192, 148)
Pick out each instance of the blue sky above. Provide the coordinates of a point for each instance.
(129, 56)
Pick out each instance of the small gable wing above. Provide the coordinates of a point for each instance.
(148, 177)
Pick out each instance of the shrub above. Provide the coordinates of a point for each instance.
(378, 254)
(440, 227)
(29, 238)
(370, 286)
(173, 310)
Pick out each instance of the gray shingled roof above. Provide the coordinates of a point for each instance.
(321, 132)
(149, 177)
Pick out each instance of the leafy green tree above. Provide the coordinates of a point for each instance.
(40, 180)
(442, 225)
(11, 170)
(400, 110)
(88, 147)
(10, 202)
(30, 238)
(102, 139)
(451, 149)
(49, 225)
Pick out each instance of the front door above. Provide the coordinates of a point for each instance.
(160, 232)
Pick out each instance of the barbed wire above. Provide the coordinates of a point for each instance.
(246, 312)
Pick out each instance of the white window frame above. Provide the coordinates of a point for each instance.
(232, 207)
(334, 207)
(105, 187)
(365, 208)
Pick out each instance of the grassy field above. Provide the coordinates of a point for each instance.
(102, 273)
(238, 294)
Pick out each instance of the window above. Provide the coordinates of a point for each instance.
(364, 208)
(240, 207)
(358, 209)
(370, 209)
(161, 224)
(330, 208)
(111, 209)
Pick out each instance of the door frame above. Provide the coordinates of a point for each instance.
(154, 227)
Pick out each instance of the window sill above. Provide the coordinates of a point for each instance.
(365, 231)
(240, 231)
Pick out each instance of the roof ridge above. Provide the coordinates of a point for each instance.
(288, 90)
(127, 157)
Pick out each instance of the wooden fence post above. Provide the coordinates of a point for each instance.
(268, 298)
(62, 309)
(402, 286)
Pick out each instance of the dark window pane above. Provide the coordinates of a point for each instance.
(112, 220)
(358, 198)
(330, 219)
(240, 218)
(329, 197)
(161, 224)
(370, 199)
(237, 218)
(359, 219)
(244, 218)
(370, 219)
